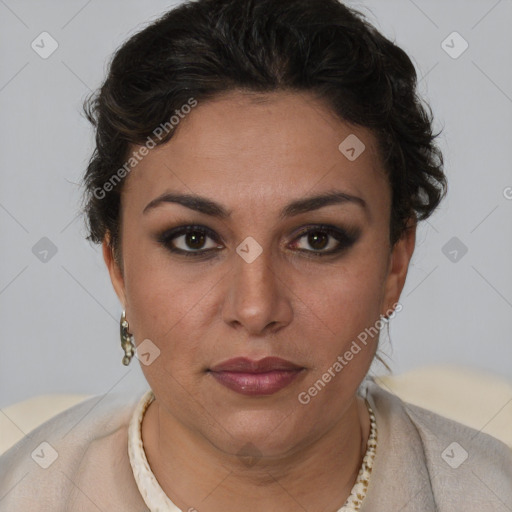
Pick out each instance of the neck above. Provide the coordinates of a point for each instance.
(316, 476)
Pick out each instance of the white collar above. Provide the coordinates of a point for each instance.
(156, 499)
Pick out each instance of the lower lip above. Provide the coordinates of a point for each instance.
(253, 384)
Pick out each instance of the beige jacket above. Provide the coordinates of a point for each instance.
(424, 462)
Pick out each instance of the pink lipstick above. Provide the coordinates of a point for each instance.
(263, 377)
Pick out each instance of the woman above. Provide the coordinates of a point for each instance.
(260, 169)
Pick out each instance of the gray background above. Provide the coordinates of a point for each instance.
(60, 318)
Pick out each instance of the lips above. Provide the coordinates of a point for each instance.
(267, 364)
(249, 377)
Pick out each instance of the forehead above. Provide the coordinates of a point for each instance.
(246, 146)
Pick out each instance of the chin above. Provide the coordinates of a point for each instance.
(258, 432)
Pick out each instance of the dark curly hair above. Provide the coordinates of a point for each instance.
(206, 48)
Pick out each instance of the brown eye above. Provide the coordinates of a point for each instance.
(324, 240)
(194, 240)
(318, 239)
(189, 240)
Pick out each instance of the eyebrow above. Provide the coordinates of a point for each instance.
(209, 207)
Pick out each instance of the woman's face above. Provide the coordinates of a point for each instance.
(254, 284)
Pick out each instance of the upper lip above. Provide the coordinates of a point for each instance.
(245, 365)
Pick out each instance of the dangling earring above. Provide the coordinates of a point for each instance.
(126, 340)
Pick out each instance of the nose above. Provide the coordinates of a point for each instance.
(258, 299)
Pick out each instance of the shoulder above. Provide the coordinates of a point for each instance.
(464, 464)
(40, 472)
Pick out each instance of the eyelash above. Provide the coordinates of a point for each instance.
(345, 238)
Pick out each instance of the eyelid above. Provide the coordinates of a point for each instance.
(328, 228)
(345, 237)
(171, 234)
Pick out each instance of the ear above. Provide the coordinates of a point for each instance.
(116, 276)
(400, 257)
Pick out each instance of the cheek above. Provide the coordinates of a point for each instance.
(349, 296)
(347, 308)
(163, 311)
(346, 303)
(167, 306)
(163, 307)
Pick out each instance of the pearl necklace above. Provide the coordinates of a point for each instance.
(156, 499)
